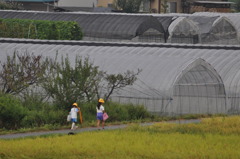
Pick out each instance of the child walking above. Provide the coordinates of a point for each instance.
(100, 111)
(73, 113)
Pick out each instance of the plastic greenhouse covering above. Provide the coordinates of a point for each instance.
(233, 17)
(183, 30)
(216, 30)
(199, 28)
(175, 79)
(103, 27)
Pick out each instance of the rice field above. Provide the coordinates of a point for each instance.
(213, 138)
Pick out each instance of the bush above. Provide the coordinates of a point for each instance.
(12, 112)
(123, 112)
(40, 29)
(116, 112)
(40, 118)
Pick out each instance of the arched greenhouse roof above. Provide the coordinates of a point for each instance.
(113, 26)
(208, 75)
(160, 64)
(216, 29)
(165, 21)
(233, 17)
(204, 23)
(182, 27)
(194, 73)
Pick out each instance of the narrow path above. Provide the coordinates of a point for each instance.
(66, 131)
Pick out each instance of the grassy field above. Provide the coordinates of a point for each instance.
(213, 138)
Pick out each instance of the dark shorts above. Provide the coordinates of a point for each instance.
(99, 116)
(74, 120)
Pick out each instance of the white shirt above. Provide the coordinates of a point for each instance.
(73, 112)
(101, 109)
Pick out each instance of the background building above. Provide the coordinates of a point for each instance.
(178, 6)
(153, 6)
(77, 3)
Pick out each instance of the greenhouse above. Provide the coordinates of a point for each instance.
(233, 17)
(200, 28)
(216, 30)
(183, 30)
(175, 79)
(103, 27)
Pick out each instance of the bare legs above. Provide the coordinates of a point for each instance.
(103, 123)
(74, 127)
(98, 124)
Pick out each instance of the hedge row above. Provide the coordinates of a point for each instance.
(15, 114)
(40, 29)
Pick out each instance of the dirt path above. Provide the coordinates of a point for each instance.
(79, 130)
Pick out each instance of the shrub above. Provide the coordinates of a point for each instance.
(40, 29)
(116, 111)
(11, 112)
(123, 112)
(40, 118)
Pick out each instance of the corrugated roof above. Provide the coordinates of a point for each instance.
(115, 26)
(164, 67)
(160, 63)
(214, 2)
(233, 17)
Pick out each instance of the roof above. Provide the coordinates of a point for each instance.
(115, 26)
(183, 25)
(82, 9)
(73, 9)
(233, 17)
(204, 23)
(161, 64)
(123, 27)
(213, 2)
(165, 21)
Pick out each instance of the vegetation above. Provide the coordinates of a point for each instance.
(236, 5)
(12, 112)
(37, 91)
(19, 72)
(10, 5)
(82, 82)
(213, 138)
(40, 29)
(128, 6)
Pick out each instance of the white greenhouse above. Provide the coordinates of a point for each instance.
(176, 79)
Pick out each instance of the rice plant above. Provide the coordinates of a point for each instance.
(213, 138)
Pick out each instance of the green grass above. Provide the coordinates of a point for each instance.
(213, 138)
(49, 127)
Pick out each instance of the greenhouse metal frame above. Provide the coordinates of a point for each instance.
(175, 79)
(220, 29)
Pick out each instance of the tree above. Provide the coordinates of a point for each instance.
(164, 6)
(118, 81)
(83, 82)
(10, 5)
(67, 84)
(21, 71)
(128, 6)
